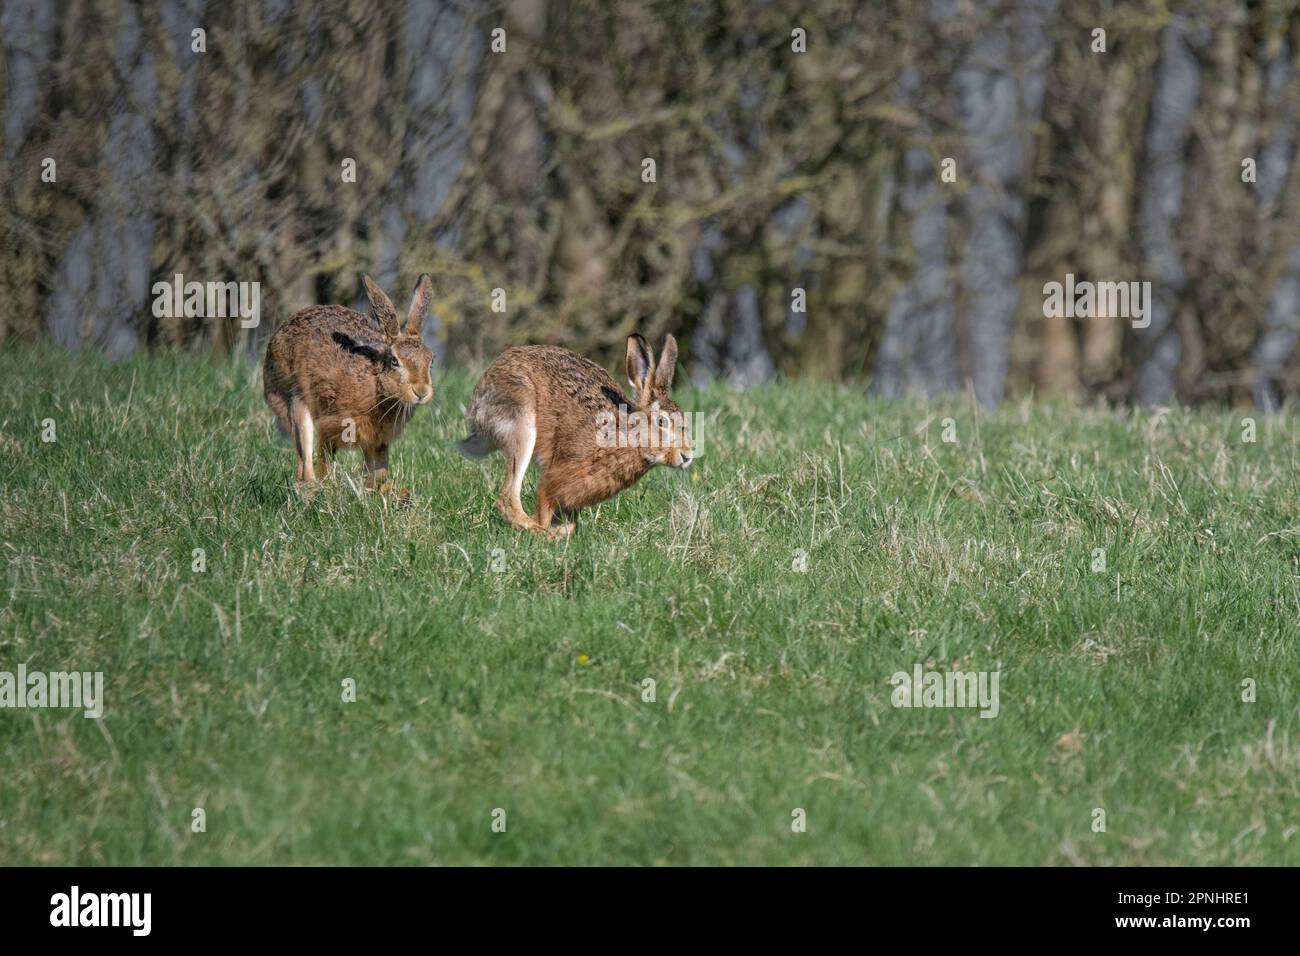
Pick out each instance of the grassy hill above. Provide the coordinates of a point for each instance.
(524, 689)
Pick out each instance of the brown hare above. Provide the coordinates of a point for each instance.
(335, 378)
(547, 402)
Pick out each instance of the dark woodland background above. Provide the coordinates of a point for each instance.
(775, 170)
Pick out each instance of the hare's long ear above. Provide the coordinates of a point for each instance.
(667, 365)
(375, 351)
(381, 308)
(640, 365)
(419, 305)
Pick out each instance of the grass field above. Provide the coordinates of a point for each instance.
(522, 689)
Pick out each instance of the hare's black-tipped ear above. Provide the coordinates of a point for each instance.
(419, 305)
(381, 308)
(640, 364)
(374, 351)
(667, 364)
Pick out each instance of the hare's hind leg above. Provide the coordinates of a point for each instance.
(279, 406)
(517, 449)
(304, 438)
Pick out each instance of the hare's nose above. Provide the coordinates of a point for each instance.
(424, 394)
(686, 460)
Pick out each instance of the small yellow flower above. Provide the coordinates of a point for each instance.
(582, 658)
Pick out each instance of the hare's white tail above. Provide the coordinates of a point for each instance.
(475, 446)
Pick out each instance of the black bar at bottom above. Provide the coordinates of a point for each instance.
(336, 906)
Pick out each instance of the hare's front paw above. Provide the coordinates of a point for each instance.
(403, 495)
(563, 530)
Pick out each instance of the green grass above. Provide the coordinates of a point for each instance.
(521, 690)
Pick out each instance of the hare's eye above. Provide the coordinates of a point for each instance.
(663, 422)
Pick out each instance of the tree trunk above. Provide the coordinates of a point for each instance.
(102, 285)
(1156, 349)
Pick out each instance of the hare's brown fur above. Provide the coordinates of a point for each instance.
(546, 402)
(328, 367)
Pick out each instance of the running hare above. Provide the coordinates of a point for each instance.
(356, 379)
(548, 402)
